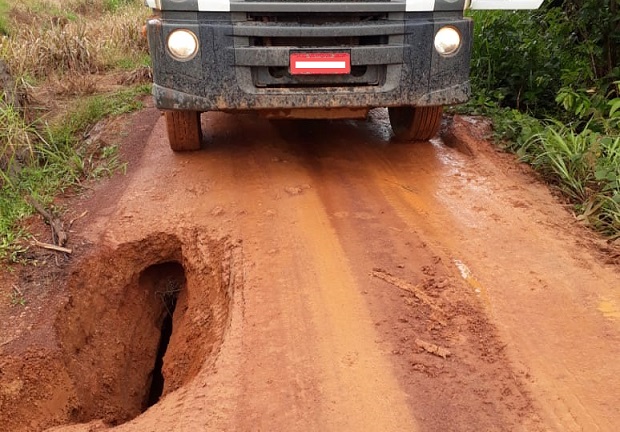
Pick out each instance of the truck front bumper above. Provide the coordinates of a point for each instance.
(243, 64)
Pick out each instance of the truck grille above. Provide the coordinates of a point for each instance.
(372, 39)
(314, 19)
(320, 41)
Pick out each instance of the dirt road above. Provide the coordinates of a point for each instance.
(323, 278)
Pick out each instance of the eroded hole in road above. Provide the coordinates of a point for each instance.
(166, 280)
(141, 322)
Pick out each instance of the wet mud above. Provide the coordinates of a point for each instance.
(318, 276)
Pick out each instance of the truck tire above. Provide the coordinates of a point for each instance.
(415, 123)
(184, 131)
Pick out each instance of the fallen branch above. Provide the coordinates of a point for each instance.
(72, 221)
(59, 236)
(431, 348)
(406, 286)
(53, 247)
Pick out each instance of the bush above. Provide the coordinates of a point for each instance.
(550, 79)
(523, 59)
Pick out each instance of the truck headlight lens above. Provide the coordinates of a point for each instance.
(447, 40)
(182, 44)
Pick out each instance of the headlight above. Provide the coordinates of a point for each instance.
(447, 41)
(182, 44)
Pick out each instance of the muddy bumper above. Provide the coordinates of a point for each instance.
(243, 61)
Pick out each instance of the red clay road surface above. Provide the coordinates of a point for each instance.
(368, 285)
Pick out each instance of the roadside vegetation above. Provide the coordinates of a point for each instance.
(64, 66)
(550, 79)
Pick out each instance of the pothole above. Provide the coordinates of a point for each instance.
(140, 322)
(166, 280)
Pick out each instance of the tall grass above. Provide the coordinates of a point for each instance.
(580, 159)
(4, 19)
(15, 141)
(61, 40)
(63, 47)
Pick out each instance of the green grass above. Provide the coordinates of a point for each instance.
(4, 18)
(585, 166)
(46, 9)
(71, 42)
(114, 5)
(581, 160)
(48, 43)
(129, 64)
(17, 298)
(15, 139)
(59, 161)
(92, 109)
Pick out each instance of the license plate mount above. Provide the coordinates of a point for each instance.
(320, 63)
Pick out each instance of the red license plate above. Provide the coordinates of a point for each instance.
(329, 63)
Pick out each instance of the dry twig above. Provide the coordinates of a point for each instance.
(49, 246)
(72, 221)
(59, 236)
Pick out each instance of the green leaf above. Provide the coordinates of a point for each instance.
(615, 106)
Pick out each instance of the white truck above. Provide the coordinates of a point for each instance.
(312, 59)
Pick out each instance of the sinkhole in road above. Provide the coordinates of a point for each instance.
(166, 280)
(141, 321)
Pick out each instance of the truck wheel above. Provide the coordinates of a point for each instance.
(184, 131)
(415, 123)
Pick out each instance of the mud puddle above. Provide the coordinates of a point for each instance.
(139, 321)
